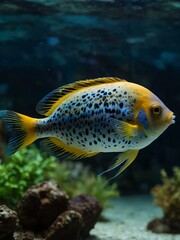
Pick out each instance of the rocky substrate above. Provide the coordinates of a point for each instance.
(46, 212)
(164, 225)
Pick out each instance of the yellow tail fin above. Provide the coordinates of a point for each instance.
(19, 129)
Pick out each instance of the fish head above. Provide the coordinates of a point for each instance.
(154, 116)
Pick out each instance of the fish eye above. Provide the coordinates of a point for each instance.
(156, 109)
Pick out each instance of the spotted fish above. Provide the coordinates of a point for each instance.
(92, 116)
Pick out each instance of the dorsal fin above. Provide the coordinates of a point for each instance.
(48, 104)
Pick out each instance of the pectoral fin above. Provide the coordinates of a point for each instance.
(124, 128)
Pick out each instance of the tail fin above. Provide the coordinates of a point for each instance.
(19, 130)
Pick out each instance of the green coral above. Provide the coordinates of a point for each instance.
(167, 195)
(28, 167)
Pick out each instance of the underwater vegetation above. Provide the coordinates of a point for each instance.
(167, 196)
(22, 170)
(29, 166)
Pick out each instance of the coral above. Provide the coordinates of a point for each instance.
(8, 220)
(167, 196)
(41, 205)
(22, 170)
(29, 166)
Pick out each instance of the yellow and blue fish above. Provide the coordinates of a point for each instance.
(92, 116)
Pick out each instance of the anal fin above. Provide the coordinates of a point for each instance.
(56, 147)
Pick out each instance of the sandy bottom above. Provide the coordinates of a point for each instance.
(128, 220)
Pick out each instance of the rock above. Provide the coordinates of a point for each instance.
(67, 226)
(41, 205)
(24, 235)
(164, 225)
(8, 220)
(89, 208)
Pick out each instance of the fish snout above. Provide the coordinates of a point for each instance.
(172, 118)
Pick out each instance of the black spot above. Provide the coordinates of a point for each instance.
(99, 139)
(109, 93)
(125, 93)
(109, 139)
(118, 111)
(106, 104)
(96, 105)
(104, 135)
(83, 96)
(114, 90)
(90, 105)
(90, 143)
(87, 131)
(95, 142)
(114, 140)
(121, 104)
(107, 110)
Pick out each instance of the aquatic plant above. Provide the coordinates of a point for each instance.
(22, 170)
(77, 179)
(167, 195)
(29, 166)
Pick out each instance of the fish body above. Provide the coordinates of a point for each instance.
(91, 119)
(92, 116)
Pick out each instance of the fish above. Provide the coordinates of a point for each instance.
(91, 116)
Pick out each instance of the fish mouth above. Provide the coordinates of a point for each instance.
(172, 119)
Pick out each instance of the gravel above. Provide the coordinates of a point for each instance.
(128, 219)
